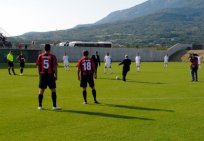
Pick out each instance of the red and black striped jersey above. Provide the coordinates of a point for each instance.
(46, 63)
(86, 66)
(194, 61)
(21, 58)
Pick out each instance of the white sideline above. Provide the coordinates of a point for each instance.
(154, 98)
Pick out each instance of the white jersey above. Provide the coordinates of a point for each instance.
(199, 60)
(166, 59)
(107, 60)
(65, 59)
(138, 60)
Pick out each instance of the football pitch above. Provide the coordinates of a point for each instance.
(156, 104)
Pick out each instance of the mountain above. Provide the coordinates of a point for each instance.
(164, 22)
(149, 7)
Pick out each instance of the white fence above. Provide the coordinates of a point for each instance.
(117, 54)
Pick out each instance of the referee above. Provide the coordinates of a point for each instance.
(10, 63)
(126, 66)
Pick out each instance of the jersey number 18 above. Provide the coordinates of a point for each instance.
(87, 66)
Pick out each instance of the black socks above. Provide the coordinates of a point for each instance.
(13, 71)
(94, 94)
(54, 99)
(85, 95)
(40, 99)
(21, 71)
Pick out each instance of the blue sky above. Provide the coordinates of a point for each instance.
(21, 16)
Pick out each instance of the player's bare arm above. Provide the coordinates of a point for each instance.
(78, 73)
(56, 73)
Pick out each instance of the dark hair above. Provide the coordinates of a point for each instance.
(47, 47)
(85, 53)
(93, 57)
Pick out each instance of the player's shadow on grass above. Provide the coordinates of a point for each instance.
(31, 75)
(145, 82)
(105, 115)
(106, 78)
(133, 81)
(138, 108)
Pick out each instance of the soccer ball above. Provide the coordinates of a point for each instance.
(117, 78)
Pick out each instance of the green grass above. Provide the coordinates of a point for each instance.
(155, 104)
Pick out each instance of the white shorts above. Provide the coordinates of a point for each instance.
(108, 65)
(138, 64)
(66, 63)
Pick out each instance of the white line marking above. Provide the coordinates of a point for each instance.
(154, 98)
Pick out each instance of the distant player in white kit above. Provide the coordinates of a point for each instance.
(66, 61)
(199, 61)
(107, 60)
(138, 61)
(166, 60)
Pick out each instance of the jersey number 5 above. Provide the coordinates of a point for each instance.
(46, 64)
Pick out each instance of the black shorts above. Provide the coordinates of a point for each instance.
(22, 64)
(87, 79)
(10, 64)
(47, 80)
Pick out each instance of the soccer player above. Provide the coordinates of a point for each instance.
(21, 59)
(65, 59)
(199, 61)
(97, 61)
(86, 71)
(107, 60)
(166, 60)
(10, 63)
(126, 66)
(138, 61)
(194, 67)
(47, 68)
